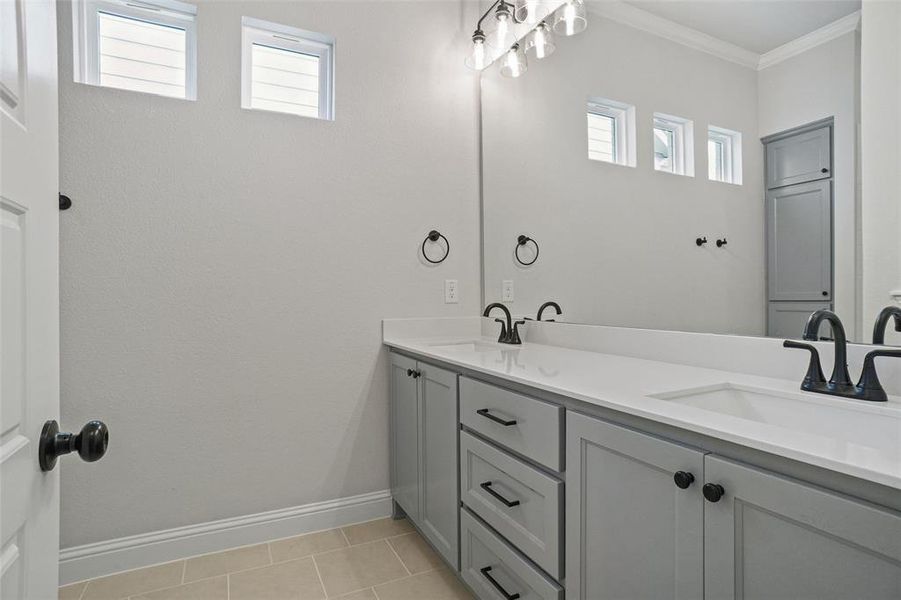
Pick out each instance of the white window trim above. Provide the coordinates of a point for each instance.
(85, 20)
(623, 115)
(683, 143)
(256, 31)
(731, 140)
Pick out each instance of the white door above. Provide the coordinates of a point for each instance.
(29, 291)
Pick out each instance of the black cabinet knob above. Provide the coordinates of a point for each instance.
(409, 372)
(416, 374)
(683, 479)
(825, 293)
(713, 492)
(824, 170)
(90, 443)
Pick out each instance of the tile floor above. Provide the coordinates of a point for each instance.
(377, 560)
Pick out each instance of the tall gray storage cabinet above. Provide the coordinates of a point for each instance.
(424, 419)
(799, 227)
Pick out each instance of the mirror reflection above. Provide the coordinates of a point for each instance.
(695, 166)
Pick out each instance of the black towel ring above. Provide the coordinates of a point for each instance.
(434, 236)
(521, 241)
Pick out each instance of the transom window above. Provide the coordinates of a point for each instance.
(723, 155)
(285, 69)
(673, 145)
(140, 46)
(611, 132)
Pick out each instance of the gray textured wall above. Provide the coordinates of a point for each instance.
(224, 271)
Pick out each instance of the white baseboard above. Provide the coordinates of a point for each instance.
(135, 551)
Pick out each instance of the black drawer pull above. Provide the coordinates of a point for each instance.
(508, 503)
(497, 586)
(484, 412)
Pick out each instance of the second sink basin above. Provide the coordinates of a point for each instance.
(877, 427)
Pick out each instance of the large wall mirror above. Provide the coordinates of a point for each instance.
(698, 166)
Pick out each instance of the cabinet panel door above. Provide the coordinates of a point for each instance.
(439, 491)
(773, 537)
(404, 436)
(799, 158)
(799, 242)
(787, 319)
(630, 531)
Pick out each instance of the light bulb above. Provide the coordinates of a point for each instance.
(502, 36)
(541, 41)
(477, 59)
(571, 18)
(514, 63)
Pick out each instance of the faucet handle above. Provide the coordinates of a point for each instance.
(514, 333)
(869, 387)
(814, 375)
(503, 335)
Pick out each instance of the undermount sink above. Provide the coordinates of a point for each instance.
(467, 347)
(876, 427)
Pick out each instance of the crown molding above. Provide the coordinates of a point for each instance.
(641, 19)
(810, 40)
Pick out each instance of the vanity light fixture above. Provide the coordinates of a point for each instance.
(502, 42)
(571, 18)
(541, 41)
(514, 63)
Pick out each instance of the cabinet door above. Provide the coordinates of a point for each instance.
(630, 531)
(773, 537)
(788, 319)
(439, 498)
(799, 242)
(799, 158)
(404, 435)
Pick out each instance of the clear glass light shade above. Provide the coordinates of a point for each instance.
(478, 57)
(571, 18)
(501, 36)
(514, 64)
(530, 12)
(540, 42)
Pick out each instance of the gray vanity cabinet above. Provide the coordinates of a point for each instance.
(774, 537)
(799, 158)
(424, 419)
(630, 531)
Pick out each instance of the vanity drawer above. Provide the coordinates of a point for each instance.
(523, 424)
(495, 570)
(491, 480)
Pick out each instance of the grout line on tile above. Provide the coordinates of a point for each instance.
(269, 549)
(403, 564)
(228, 587)
(375, 593)
(319, 575)
(84, 589)
(346, 539)
(184, 569)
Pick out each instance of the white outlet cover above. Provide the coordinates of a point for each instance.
(507, 290)
(451, 291)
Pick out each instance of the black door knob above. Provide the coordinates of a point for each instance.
(409, 372)
(824, 170)
(90, 443)
(683, 479)
(825, 293)
(713, 492)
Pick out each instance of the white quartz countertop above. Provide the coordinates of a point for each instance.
(839, 438)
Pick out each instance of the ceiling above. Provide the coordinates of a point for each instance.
(755, 25)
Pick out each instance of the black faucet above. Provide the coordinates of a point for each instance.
(509, 330)
(841, 378)
(882, 322)
(839, 384)
(553, 305)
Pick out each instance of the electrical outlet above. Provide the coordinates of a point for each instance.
(451, 292)
(507, 290)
